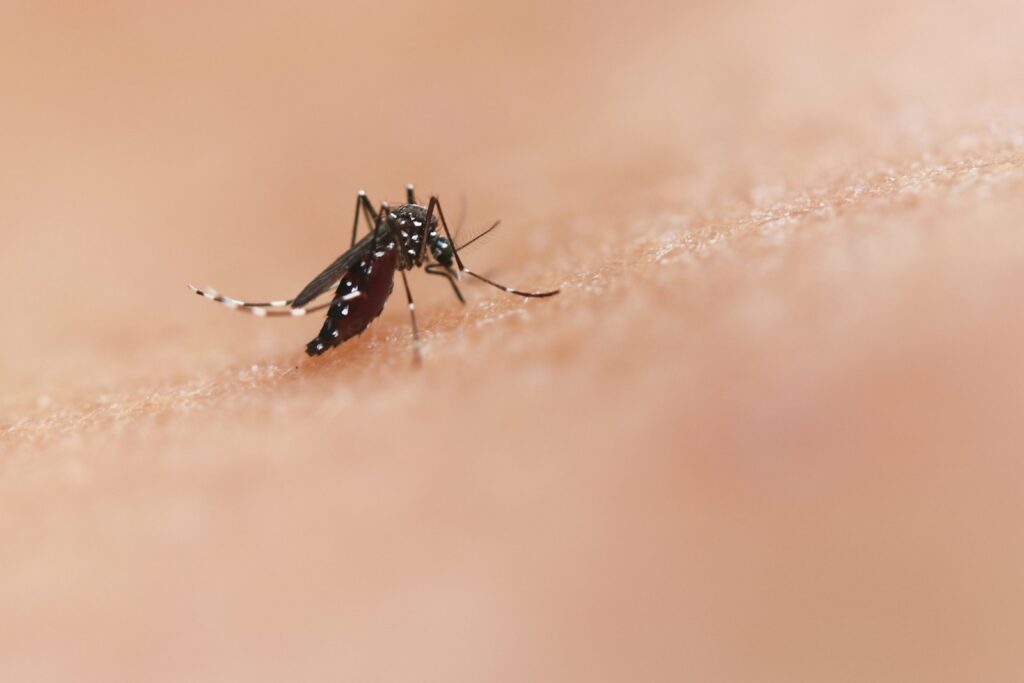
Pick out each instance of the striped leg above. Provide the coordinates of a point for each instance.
(260, 310)
(435, 203)
(417, 355)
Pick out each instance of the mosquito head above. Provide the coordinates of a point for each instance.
(442, 251)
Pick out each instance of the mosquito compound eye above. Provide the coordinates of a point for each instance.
(442, 250)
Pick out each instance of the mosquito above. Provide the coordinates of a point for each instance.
(363, 277)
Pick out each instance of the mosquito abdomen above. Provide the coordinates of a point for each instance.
(358, 301)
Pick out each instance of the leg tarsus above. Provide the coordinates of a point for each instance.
(436, 203)
(417, 356)
(435, 269)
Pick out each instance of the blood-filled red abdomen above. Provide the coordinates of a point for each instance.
(359, 299)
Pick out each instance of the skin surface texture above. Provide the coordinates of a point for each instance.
(770, 429)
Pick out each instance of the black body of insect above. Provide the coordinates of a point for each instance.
(362, 278)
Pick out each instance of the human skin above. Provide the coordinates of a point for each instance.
(769, 429)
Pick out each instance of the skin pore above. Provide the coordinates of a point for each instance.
(768, 430)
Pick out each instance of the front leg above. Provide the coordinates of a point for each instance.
(435, 269)
(363, 204)
(435, 203)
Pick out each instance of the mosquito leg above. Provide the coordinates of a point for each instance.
(434, 269)
(230, 302)
(288, 313)
(371, 216)
(417, 356)
(363, 204)
(410, 194)
(355, 220)
(435, 203)
(510, 290)
(260, 310)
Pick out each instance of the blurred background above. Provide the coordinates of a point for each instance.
(769, 430)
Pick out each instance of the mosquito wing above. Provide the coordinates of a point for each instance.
(328, 279)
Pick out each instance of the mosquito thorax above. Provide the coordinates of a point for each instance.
(411, 219)
(411, 223)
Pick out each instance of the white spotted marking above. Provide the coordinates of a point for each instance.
(362, 193)
(378, 254)
(393, 215)
(334, 334)
(344, 311)
(412, 306)
(279, 303)
(298, 312)
(417, 224)
(352, 295)
(259, 312)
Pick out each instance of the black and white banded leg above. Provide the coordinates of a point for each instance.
(436, 204)
(416, 352)
(260, 310)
